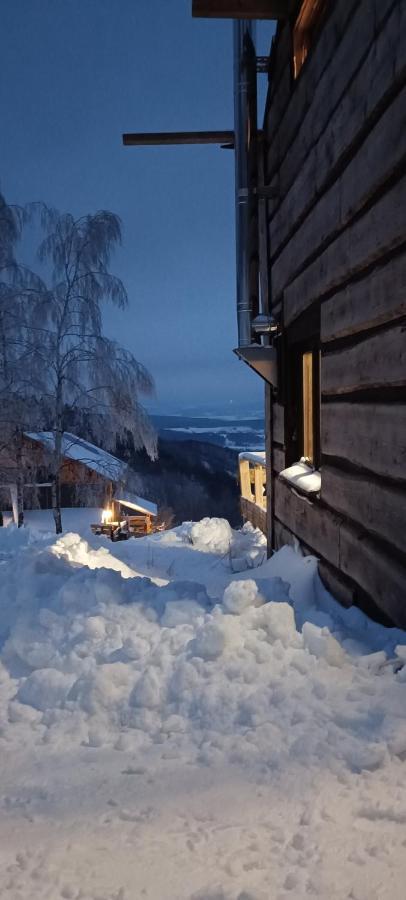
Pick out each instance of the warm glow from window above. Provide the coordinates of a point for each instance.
(308, 18)
(308, 411)
(107, 515)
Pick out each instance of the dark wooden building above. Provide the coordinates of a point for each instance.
(335, 151)
(321, 280)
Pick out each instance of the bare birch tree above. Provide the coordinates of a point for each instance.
(80, 367)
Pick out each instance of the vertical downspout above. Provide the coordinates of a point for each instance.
(266, 308)
(249, 168)
(245, 126)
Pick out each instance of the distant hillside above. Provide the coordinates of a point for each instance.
(232, 432)
(194, 479)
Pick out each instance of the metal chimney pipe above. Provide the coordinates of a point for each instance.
(245, 126)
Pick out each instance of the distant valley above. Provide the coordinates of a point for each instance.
(231, 432)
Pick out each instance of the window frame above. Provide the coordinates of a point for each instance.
(302, 337)
(314, 459)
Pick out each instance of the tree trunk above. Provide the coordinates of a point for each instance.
(56, 484)
(20, 480)
(56, 503)
(20, 500)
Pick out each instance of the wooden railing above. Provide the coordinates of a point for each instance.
(252, 473)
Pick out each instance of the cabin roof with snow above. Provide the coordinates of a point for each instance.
(132, 501)
(79, 450)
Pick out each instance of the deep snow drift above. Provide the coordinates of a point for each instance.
(181, 719)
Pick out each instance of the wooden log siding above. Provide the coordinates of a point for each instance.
(336, 147)
(377, 361)
(382, 152)
(310, 522)
(378, 507)
(378, 298)
(377, 573)
(378, 232)
(355, 114)
(369, 435)
(340, 587)
(330, 67)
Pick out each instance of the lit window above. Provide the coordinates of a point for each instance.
(307, 400)
(310, 405)
(303, 31)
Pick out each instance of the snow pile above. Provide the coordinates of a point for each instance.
(132, 662)
(246, 548)
(211, 534)
(259, 677)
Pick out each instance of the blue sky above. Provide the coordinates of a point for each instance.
(75, 74)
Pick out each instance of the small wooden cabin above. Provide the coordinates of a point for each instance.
(128, 515)
(89, 475)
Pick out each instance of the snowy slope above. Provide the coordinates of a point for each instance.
(181, 720)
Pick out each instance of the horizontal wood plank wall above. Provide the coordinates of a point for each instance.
(371, 436)
(381, 154)
(376, 234)
(336, 148)
(378, 507)
(375, 299)
(328, 156)
(378, 361)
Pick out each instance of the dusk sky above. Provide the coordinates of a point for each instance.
(75, 74)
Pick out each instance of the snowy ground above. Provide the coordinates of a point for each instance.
(182, 720)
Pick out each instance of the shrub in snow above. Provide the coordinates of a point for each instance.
(45, 689)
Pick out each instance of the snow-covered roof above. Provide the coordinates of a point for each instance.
(254, 456)
(135, 502)
(75, 448)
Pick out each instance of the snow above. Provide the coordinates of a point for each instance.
(170, 729)
(76, 448)
(135, 502)
(254, 456)
(303, 477)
